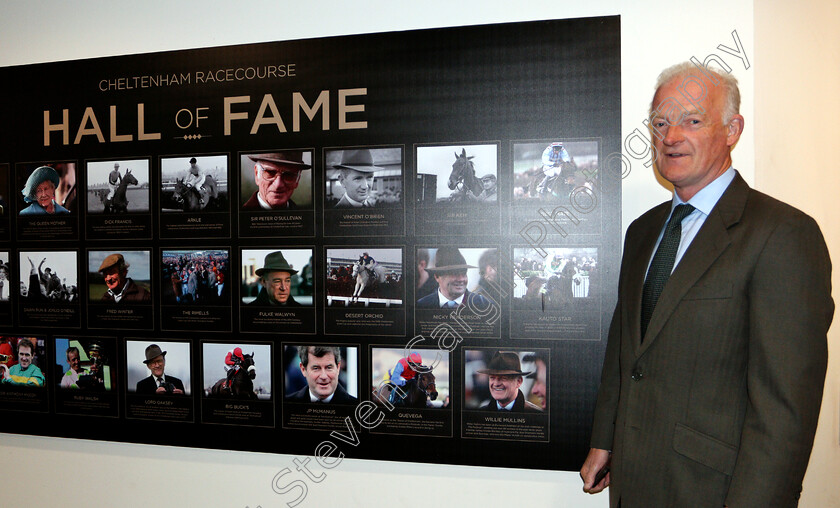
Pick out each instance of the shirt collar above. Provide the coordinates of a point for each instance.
(707, 197)
(353, 202)
(442, 299)
(314, 398)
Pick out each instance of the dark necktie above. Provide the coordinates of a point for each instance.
(663, 263)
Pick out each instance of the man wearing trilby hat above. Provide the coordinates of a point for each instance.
(355, 174)
(277, 176)
(505, 373)
(450, 272)
(276, 281)
(158, 382)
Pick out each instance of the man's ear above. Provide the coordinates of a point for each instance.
(734, 129)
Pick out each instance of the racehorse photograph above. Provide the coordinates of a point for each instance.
(552, 170)
(194, 184)
(452, 174)
(398, 378)
(226, 375)
(372, 281)
(118, 186)
(561, 279)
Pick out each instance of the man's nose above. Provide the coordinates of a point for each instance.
(673, 134)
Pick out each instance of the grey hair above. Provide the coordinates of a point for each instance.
(732, 95)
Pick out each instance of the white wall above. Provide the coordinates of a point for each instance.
(654, 35)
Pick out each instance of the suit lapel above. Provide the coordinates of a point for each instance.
(710, 242)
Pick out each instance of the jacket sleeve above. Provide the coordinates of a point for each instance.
(790, 311)
(606, 406)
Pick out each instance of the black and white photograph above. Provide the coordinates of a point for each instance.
(195, 289)
(237, 383)
(118, 199)
(119, 289)
(510, 390)
(49, 288)
(24, 373)
(47, 190)
(555, 293)
(458, 283)
(194, 198)
(158, 371)
(5, 203)
(320, 385)
(364, 191)
(412, 385)
(5, 275)
(116, 187)
(276, 193)
(86, 371)
(277, 290)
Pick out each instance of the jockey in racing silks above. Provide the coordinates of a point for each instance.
(114, 179)
(195, 179)
(367, 262)
(553, 158)
(403, 372)
(233, 360)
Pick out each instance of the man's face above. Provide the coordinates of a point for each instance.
(276, 182)
(504, 389)
(488, 183)
(156, 365)
(45, 193)
(538, 389)
(24, 357)
(356, 183)
(114, 277)
(490, 273)
(73, 360)
(452, 284)
(321, 375)
(278, 285)
(692, 146)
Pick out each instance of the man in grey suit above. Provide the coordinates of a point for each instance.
(716, 358)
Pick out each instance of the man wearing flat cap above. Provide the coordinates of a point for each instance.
(277, 176)
(488, 193)
(158, 383)
(505, 373)
(355, 174)
(39, 191)
(276, 281)
(450, 273)
(121, 289)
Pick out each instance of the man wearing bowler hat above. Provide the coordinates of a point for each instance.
(505, 373)
(450, 273)
(355, 174)
(276, 281)
(277, 176)
(158, 383)
(121, 289)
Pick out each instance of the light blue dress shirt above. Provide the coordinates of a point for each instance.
(703, 202)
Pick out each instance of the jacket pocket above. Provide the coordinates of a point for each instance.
(705, 449)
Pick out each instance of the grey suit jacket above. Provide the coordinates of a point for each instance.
(719, 403)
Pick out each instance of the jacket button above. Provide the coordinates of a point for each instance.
(636, 375)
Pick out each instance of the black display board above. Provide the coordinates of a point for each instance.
(445, 136)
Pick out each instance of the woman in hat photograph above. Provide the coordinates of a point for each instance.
(39, 192)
